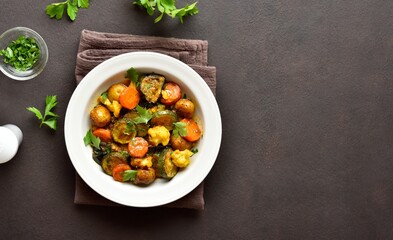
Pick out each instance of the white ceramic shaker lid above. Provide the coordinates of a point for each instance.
(10, 138)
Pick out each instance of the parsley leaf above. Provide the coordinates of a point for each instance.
(144, 115)
(91, 140)
(133, 75)
(22, 53)
(167, 7)
(57, 9)
(179, 129)
(49, 118)
(129, 175)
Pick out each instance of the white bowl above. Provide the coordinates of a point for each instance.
(77, 123)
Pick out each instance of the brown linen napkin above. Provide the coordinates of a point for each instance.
(96, 47)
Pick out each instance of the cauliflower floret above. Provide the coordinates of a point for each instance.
(114, 106)
(181, 158)
(158, 134)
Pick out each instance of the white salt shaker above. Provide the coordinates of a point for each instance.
(10, 138)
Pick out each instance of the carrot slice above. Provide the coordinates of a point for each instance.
(104, 134)
(138, 147)
(193, 130)
(170, 93)
(118, 171)
(129, 97)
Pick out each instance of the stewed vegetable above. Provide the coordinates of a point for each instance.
(144, 130)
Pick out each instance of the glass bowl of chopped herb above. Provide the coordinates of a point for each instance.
(23, 53)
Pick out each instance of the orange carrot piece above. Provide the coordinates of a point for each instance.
(171, 93)
(138, 147)
(104, 134)
(130, 97)
(118, 171)
(193, 130)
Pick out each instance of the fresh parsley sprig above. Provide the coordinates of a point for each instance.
(129, 175)
(49, 118)
(144, 115)
(133, 75)
(179, 129)
(91, 140)
(57, 9)
(167, 7)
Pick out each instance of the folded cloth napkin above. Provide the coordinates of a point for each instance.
(96, 47)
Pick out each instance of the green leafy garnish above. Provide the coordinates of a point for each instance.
(133, 75)
(104, 95)
(91, 140)
(57, 9)
(129, 175)
(194, 150)
(179, 129)
(167, 7)
(144, 115)
(49, 118)
(22, 53)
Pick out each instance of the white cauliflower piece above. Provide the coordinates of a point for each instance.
(181, 158)
(158, 134)
(114, 106)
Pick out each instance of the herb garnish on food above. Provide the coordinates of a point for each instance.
(49, 118)
(179, 129)
(57, 9)
(168, 7)
(91, 140)
(22, 53)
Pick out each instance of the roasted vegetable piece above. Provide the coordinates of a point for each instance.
(164, 118)
(178, 142)
(115, 90)
(181, 158)
(104, 134)
(118, 171)
(151, 86)
(123, 131)
(164, 165)
(170, 93)
(145, 162)
(185, 108)
(111, 160)
(141, 127)
(138, 147)
(129, 98)
(193, 130)
(158, 135)
(113, 106)
(100, 116)
(145, 176)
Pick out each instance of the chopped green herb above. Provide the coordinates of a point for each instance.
(179, 129)
(144, 115)
(91, 140)
(57, 9)
(133, 75)
(49, 118)
(129, 175)
(22, 53)
(168, 7)
(104, 95)
(194, 151)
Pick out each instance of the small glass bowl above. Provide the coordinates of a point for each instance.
(12, 34)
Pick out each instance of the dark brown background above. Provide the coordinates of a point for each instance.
(305, 90)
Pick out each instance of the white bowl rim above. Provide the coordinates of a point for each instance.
(124, 193)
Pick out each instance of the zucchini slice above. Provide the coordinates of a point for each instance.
(111, 160)
(164, 118)
(141, 127)
(151, 86)
(165, 167)
(124, 131)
